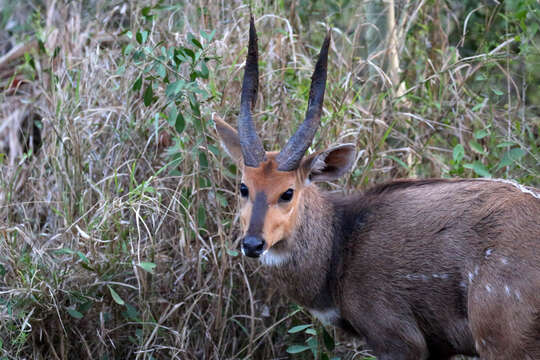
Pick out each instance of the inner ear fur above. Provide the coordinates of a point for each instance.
(229, 138)
(329, 164)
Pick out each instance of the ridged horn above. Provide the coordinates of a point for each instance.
(290, 156)
(252, 148)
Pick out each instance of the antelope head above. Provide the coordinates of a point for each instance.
(273, 183)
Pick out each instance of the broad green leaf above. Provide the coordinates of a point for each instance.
(75, 313)
(137, 84)
(458, 153)
(479, 169)
(180, 123)
(299, 328)
(147, 266)
(201, 217)
(204, 70)
(196, 43)
(510, 157)
(203, 160)
(328, 340)
(161, 71)
(232, 253)
(189, 53)
(295, 349)
(141, 36)
(117, 299)
(480, 134)
(206, 36)
(477, 107)
(172, 113)
(506, 144)
(174, 88)
(148, 95)
(476, 147)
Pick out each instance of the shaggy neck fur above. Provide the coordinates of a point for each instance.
(303, 265)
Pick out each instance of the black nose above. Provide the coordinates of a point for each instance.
(252, 246)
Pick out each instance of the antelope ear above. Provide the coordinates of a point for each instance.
(229, 138)
(329, 164)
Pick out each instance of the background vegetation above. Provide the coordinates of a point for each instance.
(117, 205)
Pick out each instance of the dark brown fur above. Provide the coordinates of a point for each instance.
(422, 268)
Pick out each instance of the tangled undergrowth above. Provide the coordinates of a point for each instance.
(117, 205)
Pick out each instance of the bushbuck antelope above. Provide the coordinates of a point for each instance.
(421, 269)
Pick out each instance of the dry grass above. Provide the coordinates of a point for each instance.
(88, 203)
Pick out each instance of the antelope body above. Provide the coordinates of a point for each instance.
(421, 269)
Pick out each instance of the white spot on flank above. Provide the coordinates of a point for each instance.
(440, 276)
(471, 277)
(518, 294)
(504, 260)
(488, 288)
(327, 316)
(507, 290)
(476, 270)
(488, 252)
(270, 258)
(516, 185)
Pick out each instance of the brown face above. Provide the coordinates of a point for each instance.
(269, 205)
(271, 198)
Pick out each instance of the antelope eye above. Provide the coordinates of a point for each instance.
(287, 195)
(244, 190)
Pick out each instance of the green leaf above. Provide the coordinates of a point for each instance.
(458, 153)
(74, 313)
(299, 328)
(204, 70)
(232, 253)
(141, 36)
(189, 53)
(479, 169)
(180, 123)
(510, 157)
(208, 37)
(399, 161)
(477, 107)
(201, 217)
(196, 43)
(311, 331)
(476, 147)
(137, 84)
(313, 344)
(161, 71)
(506, 144)
(117, 299)
(295, 349)
(174, 88)
(148, 95)
(480, 134)
(82, 257)
(203, 160)
(147, 266)
(172, 113)
(497, 91)
(328, 340)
